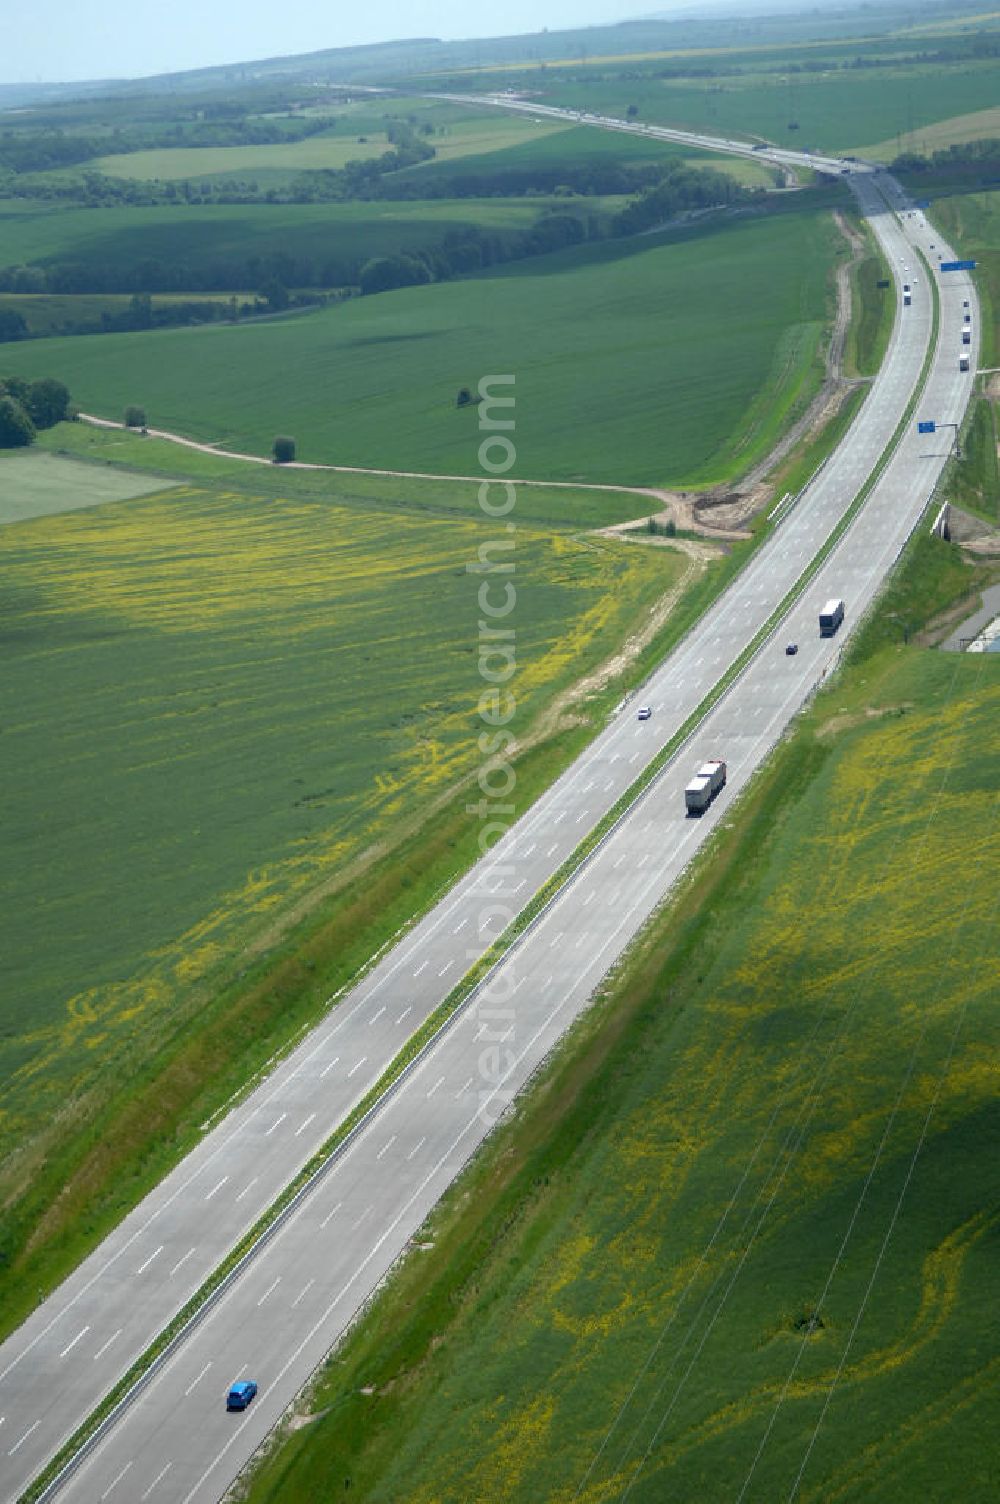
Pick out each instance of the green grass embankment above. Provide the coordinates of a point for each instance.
(760, 1170)
(873, 310)
(974, 480)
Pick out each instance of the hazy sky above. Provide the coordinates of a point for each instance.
(55, 40)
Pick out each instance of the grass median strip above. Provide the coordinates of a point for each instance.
(463, 992)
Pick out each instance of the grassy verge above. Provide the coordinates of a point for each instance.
(873, 311)
(497, 1358)
(794, 473)
(974, 480)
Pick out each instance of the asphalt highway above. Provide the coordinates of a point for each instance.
(177, 1442)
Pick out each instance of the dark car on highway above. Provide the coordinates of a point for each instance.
(241, 1394)
(791, 649)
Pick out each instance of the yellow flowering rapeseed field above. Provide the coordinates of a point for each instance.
(211, 702)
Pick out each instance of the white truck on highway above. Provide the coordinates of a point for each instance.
(706, 783)
(830, 618)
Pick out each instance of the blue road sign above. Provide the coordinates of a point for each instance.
(926, 427)
(922, 203)
(958, 266)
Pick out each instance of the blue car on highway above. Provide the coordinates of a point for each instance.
(241, 1394)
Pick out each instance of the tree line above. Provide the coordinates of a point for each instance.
(675, 187)
(24, 151)
(976, 161)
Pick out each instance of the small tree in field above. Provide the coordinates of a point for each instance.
(47, 402)
(283, 449)
(135, 417)
(16, 428)
(464, 397)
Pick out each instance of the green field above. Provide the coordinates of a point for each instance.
(170, 164)
(476, 133)
(553, 145)
(833, 104)
(213, 701)
(37, 484)
(636, 362)
(199, 235)
(981, 125)
(742, 1237)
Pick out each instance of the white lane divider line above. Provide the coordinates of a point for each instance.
(463, 1089)
(328, 1068)
(217, 1187)
(417, 1147)
(114, 1484)
(303, 1293)
(158, 1479)
(446, 967)
(376, 1016)
(144, 1266)
(357, 1067)
(434, 1088)
(552, 849)
(182, 1260)
(303, 1126)
(530, 848)
(248, 1187)
(420, 968)
(331, 1213)
(406, 1010)
(386, 1146)
(555, 941)
(70, 1345)
(589, 898)
(33, 1427)
(460, 925)
(269, 1291)
(275, 1124)
(198, 1379)
(102, 1350)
